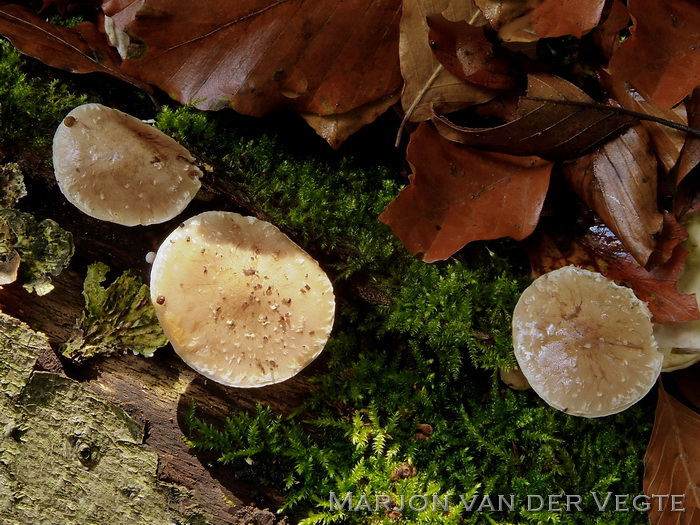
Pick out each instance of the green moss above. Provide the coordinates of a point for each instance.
(428, 354)
(31, 109)
(425, 352)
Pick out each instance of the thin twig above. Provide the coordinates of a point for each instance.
(622, 111)
(415, 102)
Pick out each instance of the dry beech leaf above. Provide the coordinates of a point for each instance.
(662, 56)
(426, 81)
(672, 234)
(335, 129)
(599, 250)
(324, 56)
(544, 128)
(619, 177)
(78, 49)
(501, 12)
(672, 462)
(607, 35)
(466, 53)
(690, 153)
(553, 18)
(667, 141)
(458, 195)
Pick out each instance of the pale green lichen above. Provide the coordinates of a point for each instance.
(44, 248)
(12, 187)
(116, 319)
(68, 456)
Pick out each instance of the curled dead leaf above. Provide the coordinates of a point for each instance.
(457, 195)
(466, 53)
(556, 121)
(666, 141)
(672, 463)
(78, 49)
(618, 177)
(426, 81)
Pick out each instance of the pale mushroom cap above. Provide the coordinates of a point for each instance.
(680, 342)
(584, 343)
(116, 168)
(240, 302)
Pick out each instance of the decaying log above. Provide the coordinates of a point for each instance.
(155, 392)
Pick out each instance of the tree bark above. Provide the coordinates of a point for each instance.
(155, 392)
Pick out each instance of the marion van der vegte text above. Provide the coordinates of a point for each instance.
(600, 502)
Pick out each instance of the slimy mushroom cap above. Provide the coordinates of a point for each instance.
(116, 168)
(584, 343)
(240, 302)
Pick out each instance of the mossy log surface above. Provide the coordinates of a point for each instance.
(156, 392)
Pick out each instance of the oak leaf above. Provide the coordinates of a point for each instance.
(672, 463)
(320, 56)
(556, 121)
(662, 56)
(618, 177)
(426, 82)
(457, 195)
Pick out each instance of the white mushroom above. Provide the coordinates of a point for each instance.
(116, 168)
(240, 302)
(584, 343)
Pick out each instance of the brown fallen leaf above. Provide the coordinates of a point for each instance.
(78, 49)
(544, 128)
(618, 177)
(322, 56)
(457, 195)
(662, 56)
(672, 234)
(607, 35)
(501, 12)
(335, 129)
(672, 463)
(466, 53)
(690, 153)
(553, 18)
(599, 250)
(426, 81)
(667, 141)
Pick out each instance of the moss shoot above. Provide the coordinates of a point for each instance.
(409, 403)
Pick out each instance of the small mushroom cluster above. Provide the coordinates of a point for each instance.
(239, 301)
